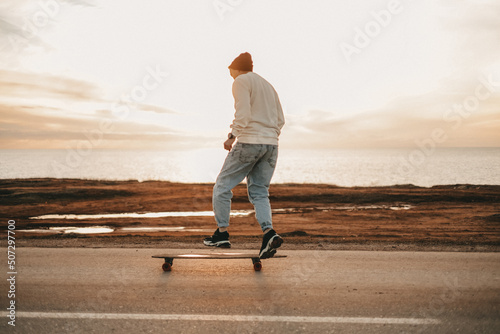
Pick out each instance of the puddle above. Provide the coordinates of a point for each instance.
(343, 208)
(370, 207)
(234, 213)
(71, 229)
(106, 229)
(402, 207)
(164, 229)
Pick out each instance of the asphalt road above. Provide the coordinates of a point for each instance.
(110, 290)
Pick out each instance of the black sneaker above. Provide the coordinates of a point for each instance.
(270, 243)
(219, 239)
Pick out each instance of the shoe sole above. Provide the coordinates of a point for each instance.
(272, 245)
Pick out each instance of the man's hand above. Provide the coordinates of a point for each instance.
(228, 144)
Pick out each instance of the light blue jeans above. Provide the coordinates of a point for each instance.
(256, 163)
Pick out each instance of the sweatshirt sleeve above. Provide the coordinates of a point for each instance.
(242, 116)
(281, 116)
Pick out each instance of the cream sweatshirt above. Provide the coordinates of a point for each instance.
(259, 117)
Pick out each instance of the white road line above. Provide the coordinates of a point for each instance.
(216, 317)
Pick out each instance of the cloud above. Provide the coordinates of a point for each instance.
(156, 109)
(405, 122)
(46, 111)
(22, 21)
(475, 26)
(15, 84)
(28, 86)
(472, 16)
(82, 3)
(41, 127)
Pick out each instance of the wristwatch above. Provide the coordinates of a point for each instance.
(230, 135)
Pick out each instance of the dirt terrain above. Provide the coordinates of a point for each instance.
(310, 216)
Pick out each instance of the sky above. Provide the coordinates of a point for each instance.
(130, 74)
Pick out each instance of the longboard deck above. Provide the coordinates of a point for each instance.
(169, 258)
(211, 256)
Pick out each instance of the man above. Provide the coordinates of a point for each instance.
(257, 125)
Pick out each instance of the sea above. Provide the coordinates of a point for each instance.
(425, 167)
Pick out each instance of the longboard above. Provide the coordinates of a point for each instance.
(169, 258)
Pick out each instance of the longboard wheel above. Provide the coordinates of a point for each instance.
(257, 266)
(166, 266)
